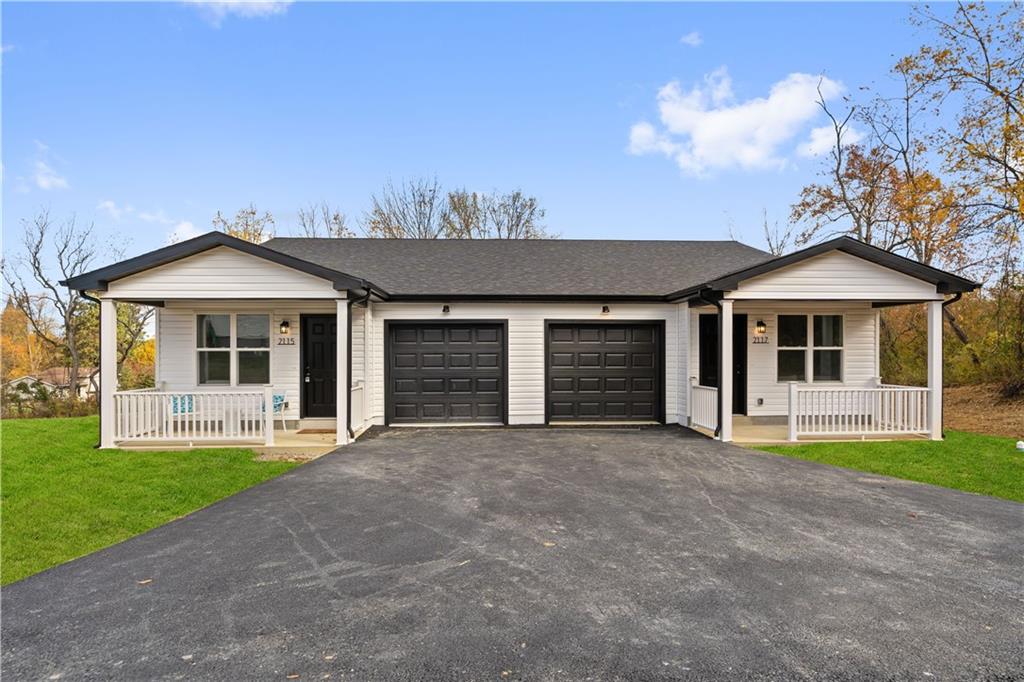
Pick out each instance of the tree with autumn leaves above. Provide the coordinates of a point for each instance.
(937, 174)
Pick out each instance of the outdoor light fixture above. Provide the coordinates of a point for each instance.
(605, 310)
(761, 327)
(285, 328)
(445, 308)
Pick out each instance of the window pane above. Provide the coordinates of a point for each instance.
(214, 367)
(828, 330)
(828, 365)
(213, 331)
(253, 331)
(253, 367)
(791, 365)
(792, 330)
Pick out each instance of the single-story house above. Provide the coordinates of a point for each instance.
(57, 381)
(343, 334)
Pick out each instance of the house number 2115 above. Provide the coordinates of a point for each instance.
(286, 340)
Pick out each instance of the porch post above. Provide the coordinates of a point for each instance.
(108, 370)
(935, 369)
(725, 370)
(344, 390)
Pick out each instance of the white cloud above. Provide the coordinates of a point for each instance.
(706, 128)
(157, 216)
(113, 210)
(693, 39)
(4, 49)
(822, 139)
(47, 178)
(216, 11)
(182, 231)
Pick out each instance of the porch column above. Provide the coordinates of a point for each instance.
(108, 370)
(344, 390)
(935, 369)
(725, 370)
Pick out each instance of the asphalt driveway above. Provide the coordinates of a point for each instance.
(544, 554)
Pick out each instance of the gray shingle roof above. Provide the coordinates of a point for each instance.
(556, 267)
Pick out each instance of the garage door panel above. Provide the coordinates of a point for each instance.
(562, 385)
(604, 372)
(432, 336)
(446, 372)
(405, 359)
(488, 385)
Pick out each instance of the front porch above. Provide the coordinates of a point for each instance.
(810, 374)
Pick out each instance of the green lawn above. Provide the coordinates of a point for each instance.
(989, 465)
(62, 498)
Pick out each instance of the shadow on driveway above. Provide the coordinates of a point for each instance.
(544, 554)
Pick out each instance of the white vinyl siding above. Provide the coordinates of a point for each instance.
(175, 333)
(224, 273)
(859, 348)
(526, 345)
(835, 276)
(176, 340)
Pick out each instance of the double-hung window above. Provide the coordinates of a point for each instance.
(233, 349)
(810, 346)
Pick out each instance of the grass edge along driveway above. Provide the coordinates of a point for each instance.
(989, 465)
(62, 498)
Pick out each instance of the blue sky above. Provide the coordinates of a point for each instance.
(148, 118)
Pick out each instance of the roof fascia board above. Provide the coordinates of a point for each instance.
(945, 282)
(97, 280)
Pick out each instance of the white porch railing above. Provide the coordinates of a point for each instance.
(356, 405)
(879, 411)
(190, 416)
(703, 406)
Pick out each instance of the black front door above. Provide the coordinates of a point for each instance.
(319, 365)
(739, 364)
(708, 357)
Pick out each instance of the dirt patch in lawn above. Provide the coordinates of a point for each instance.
(980, 409)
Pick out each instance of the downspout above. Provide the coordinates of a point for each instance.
(99, 400)
(718, 305)
(348, 371)
(942, 427)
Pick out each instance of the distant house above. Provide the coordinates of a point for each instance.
(58, 380)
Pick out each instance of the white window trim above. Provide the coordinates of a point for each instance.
(809, 348)
(232, 348)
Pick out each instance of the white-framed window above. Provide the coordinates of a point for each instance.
(232, 349)
(810, 348)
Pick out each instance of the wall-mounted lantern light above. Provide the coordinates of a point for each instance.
(605, 310)
(446, 308)
(285, 328)
(761, 327)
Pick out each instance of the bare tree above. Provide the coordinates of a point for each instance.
(247, 224)
(514, 216)
(58, 316)
(74, 251)
(413, 210)
(320, 220)
(778, 238)
(465, 216)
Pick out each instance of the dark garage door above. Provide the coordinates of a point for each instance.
(446, 372)
(604, 372)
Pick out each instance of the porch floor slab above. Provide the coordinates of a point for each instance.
(770, 434)
(287, 444)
